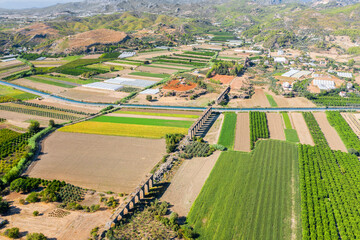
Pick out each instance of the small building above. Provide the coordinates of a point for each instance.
(349, 85)
(342, 94)
(282, 60)
(280, 52)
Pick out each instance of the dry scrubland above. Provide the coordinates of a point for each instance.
(97, 162)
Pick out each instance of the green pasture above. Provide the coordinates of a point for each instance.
(144, 121)
(227, 134)
(159, 114)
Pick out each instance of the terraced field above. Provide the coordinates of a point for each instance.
(251, 196)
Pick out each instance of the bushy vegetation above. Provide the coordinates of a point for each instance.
(227, 134)
(172, 140)
(345, 132)
(225, 68)
(36, 236)
(110, 55)
(248, 195)
(78, 67)
(198, 149)
(315, 131)
(258, 127)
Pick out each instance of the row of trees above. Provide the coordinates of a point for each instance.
(329, 184)
(258, 127)
(226, 68)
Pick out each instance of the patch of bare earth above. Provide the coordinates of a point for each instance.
(93, 95)
(332, 137)
(276, 126)
(187, 183)
(39, 86)
(300, 126)
(257, 100)
(97, 162)
(213, 134)
(242, 134)
(74, 226)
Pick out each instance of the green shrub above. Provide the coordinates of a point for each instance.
(12, 232)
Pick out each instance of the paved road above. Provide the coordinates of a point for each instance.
(277, 109)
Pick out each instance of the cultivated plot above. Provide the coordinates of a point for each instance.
(251, 196)
(97, 162)
(300, 126)
(276, 127)
(242, 136)
(332, 137)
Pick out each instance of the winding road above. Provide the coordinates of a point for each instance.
(273, 109)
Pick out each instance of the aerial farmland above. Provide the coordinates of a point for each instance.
(184, 142)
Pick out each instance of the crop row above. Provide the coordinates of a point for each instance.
(198, 149)
(14, 144)
(182, 59)
(200, 53)
(347, 135)
(38, 112)
(51, 108)
(7, 134)
(192, 56)
(329, 184)
(337, 101)
(258, 127)
(196, 64)
(314, 128)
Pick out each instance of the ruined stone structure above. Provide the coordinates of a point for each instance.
(222, 95)
(199, 123)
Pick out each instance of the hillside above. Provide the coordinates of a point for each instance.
(86, 40)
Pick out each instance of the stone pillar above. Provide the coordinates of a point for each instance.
(151, 182)
(142, 192)
(146, 188)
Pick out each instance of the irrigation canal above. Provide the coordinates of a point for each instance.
(273, 109)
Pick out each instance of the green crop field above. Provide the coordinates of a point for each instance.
(66, 79)
(227, 134)
(251, 195)
(287, 121)
(45, 81)
(14, 93)
(146, 74)
(72, 58)
(271, 100)
(159, 114)
(100, 66)
(291, 135)
(144, 121)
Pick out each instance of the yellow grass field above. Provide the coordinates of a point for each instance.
(119, 129)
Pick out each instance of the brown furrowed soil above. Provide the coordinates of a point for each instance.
(97, 162)
(39, 86)
(330, 133)
(300, 126)
(187, 183)
(93, 95)
(276, 126)
(242, 134)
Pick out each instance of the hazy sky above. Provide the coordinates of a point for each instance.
(20, 4)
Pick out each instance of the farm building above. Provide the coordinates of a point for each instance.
(130, 82)
(344, 74)
(103, 86)
(150, 91)
(324, 84)
(280, 60)
(127, 54)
